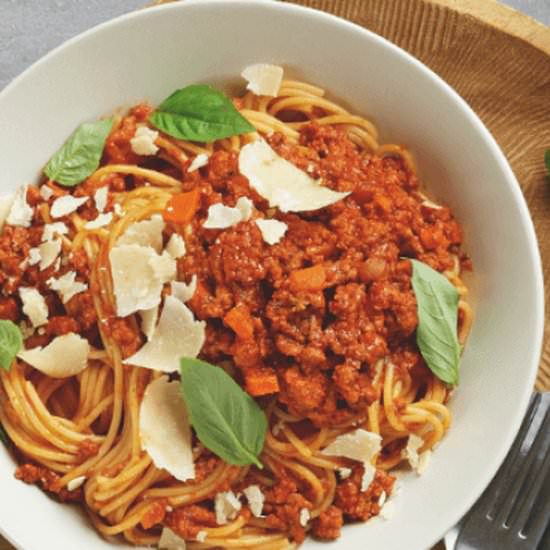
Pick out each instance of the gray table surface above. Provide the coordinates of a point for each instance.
(30, 28)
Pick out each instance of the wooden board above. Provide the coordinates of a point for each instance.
(499, 62)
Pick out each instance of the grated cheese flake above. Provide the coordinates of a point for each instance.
(66, 286)
(182, 291)
(281, 183)
(101, 221)
(255, 499)
(344, 473)
(177, 335)
(48, 252)
(368, 476)
(100, 198)
(76, 483)
(20, 211)
(165, 429)
(198, 162)
(139, 274)
(176, 246)
(149, 319)
(34, 306)
(52, 230)
(64, 356)
(382, 499)
(359, 445)
(170, 541)
(305, 516)
(63, 206)
(410, 453)
(423, 462)
(46, 192)
(222, 217)
(263, 79)
(145, 233)
(245, 206)
(272, 230)
(34, 257)
(226, 506)
(201, 536)
(143, 142)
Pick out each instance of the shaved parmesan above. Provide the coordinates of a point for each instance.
(46, 192)
(143, 142)
(245, 207)
(423, 462)
(52, 230)
(382, 499)
(101, 221)
(149, 319)
(139, 274)
(304, 517)
(64, 356)
(281, 183)
(344, 473)
(368, 476)
(201, 536)
(414, 443)
(387, 510)
(76, 483)
(184, 292)
(177, 335)
(118, 210)
(145, 233)
(20, 212)
(176, 246)
(255, 499)
(6, 202)
(66, 286)
(170, 541)
(63, 206)
(227, 506)
(222, 217)
(263, 79)
(48, 253)
(198, 162)
(100, 198)
(34, 306)
(165, 430)
(272, 230)
(358, 445)
(34, 256)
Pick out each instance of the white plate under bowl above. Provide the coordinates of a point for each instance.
(148, 54)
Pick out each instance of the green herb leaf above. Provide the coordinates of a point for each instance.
(80, 155)
(436, 334)
(4, 436)
(199, 113)
(547, 161)
(11, 341)
(226, 419)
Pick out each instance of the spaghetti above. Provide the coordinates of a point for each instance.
(344, 355)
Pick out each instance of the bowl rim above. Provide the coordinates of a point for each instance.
(507, 175)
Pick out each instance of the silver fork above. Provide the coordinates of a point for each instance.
(514, 511)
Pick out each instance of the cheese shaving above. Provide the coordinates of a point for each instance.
(20, 212)
(52, 230)
(226, 506)
(201, 536)
(182, 291)
(170, 541)
(359, 445)
(245, 207)
(101, 221)
(423, 462)
(198, 162)
(63, 206)
(100, 198)
(344, 473)
(305, 516)
(177, 335)
(263, 79)
(34, 306)
(144, 233)
(272, 230)
(222, 217)
(48, 253)
(165, 429)
(76, 483)
(143, 142)
(255, 499)
(149, 319)
(176, 246)
(46, 192)
(410, 453)
(34, 257)
(64, 356)
(66, 286)
(368, 476)
(281, 183)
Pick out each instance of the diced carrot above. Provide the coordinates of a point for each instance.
(310, 278)
(240, 321)
(182, 207)
(261, 382)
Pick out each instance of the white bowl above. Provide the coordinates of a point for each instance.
(148, 54)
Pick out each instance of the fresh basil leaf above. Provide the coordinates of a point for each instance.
(199, 113)
(547, 161)
(4, 436)
(226, 419)
(436, 334)
(11, 341)
(80, 155)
